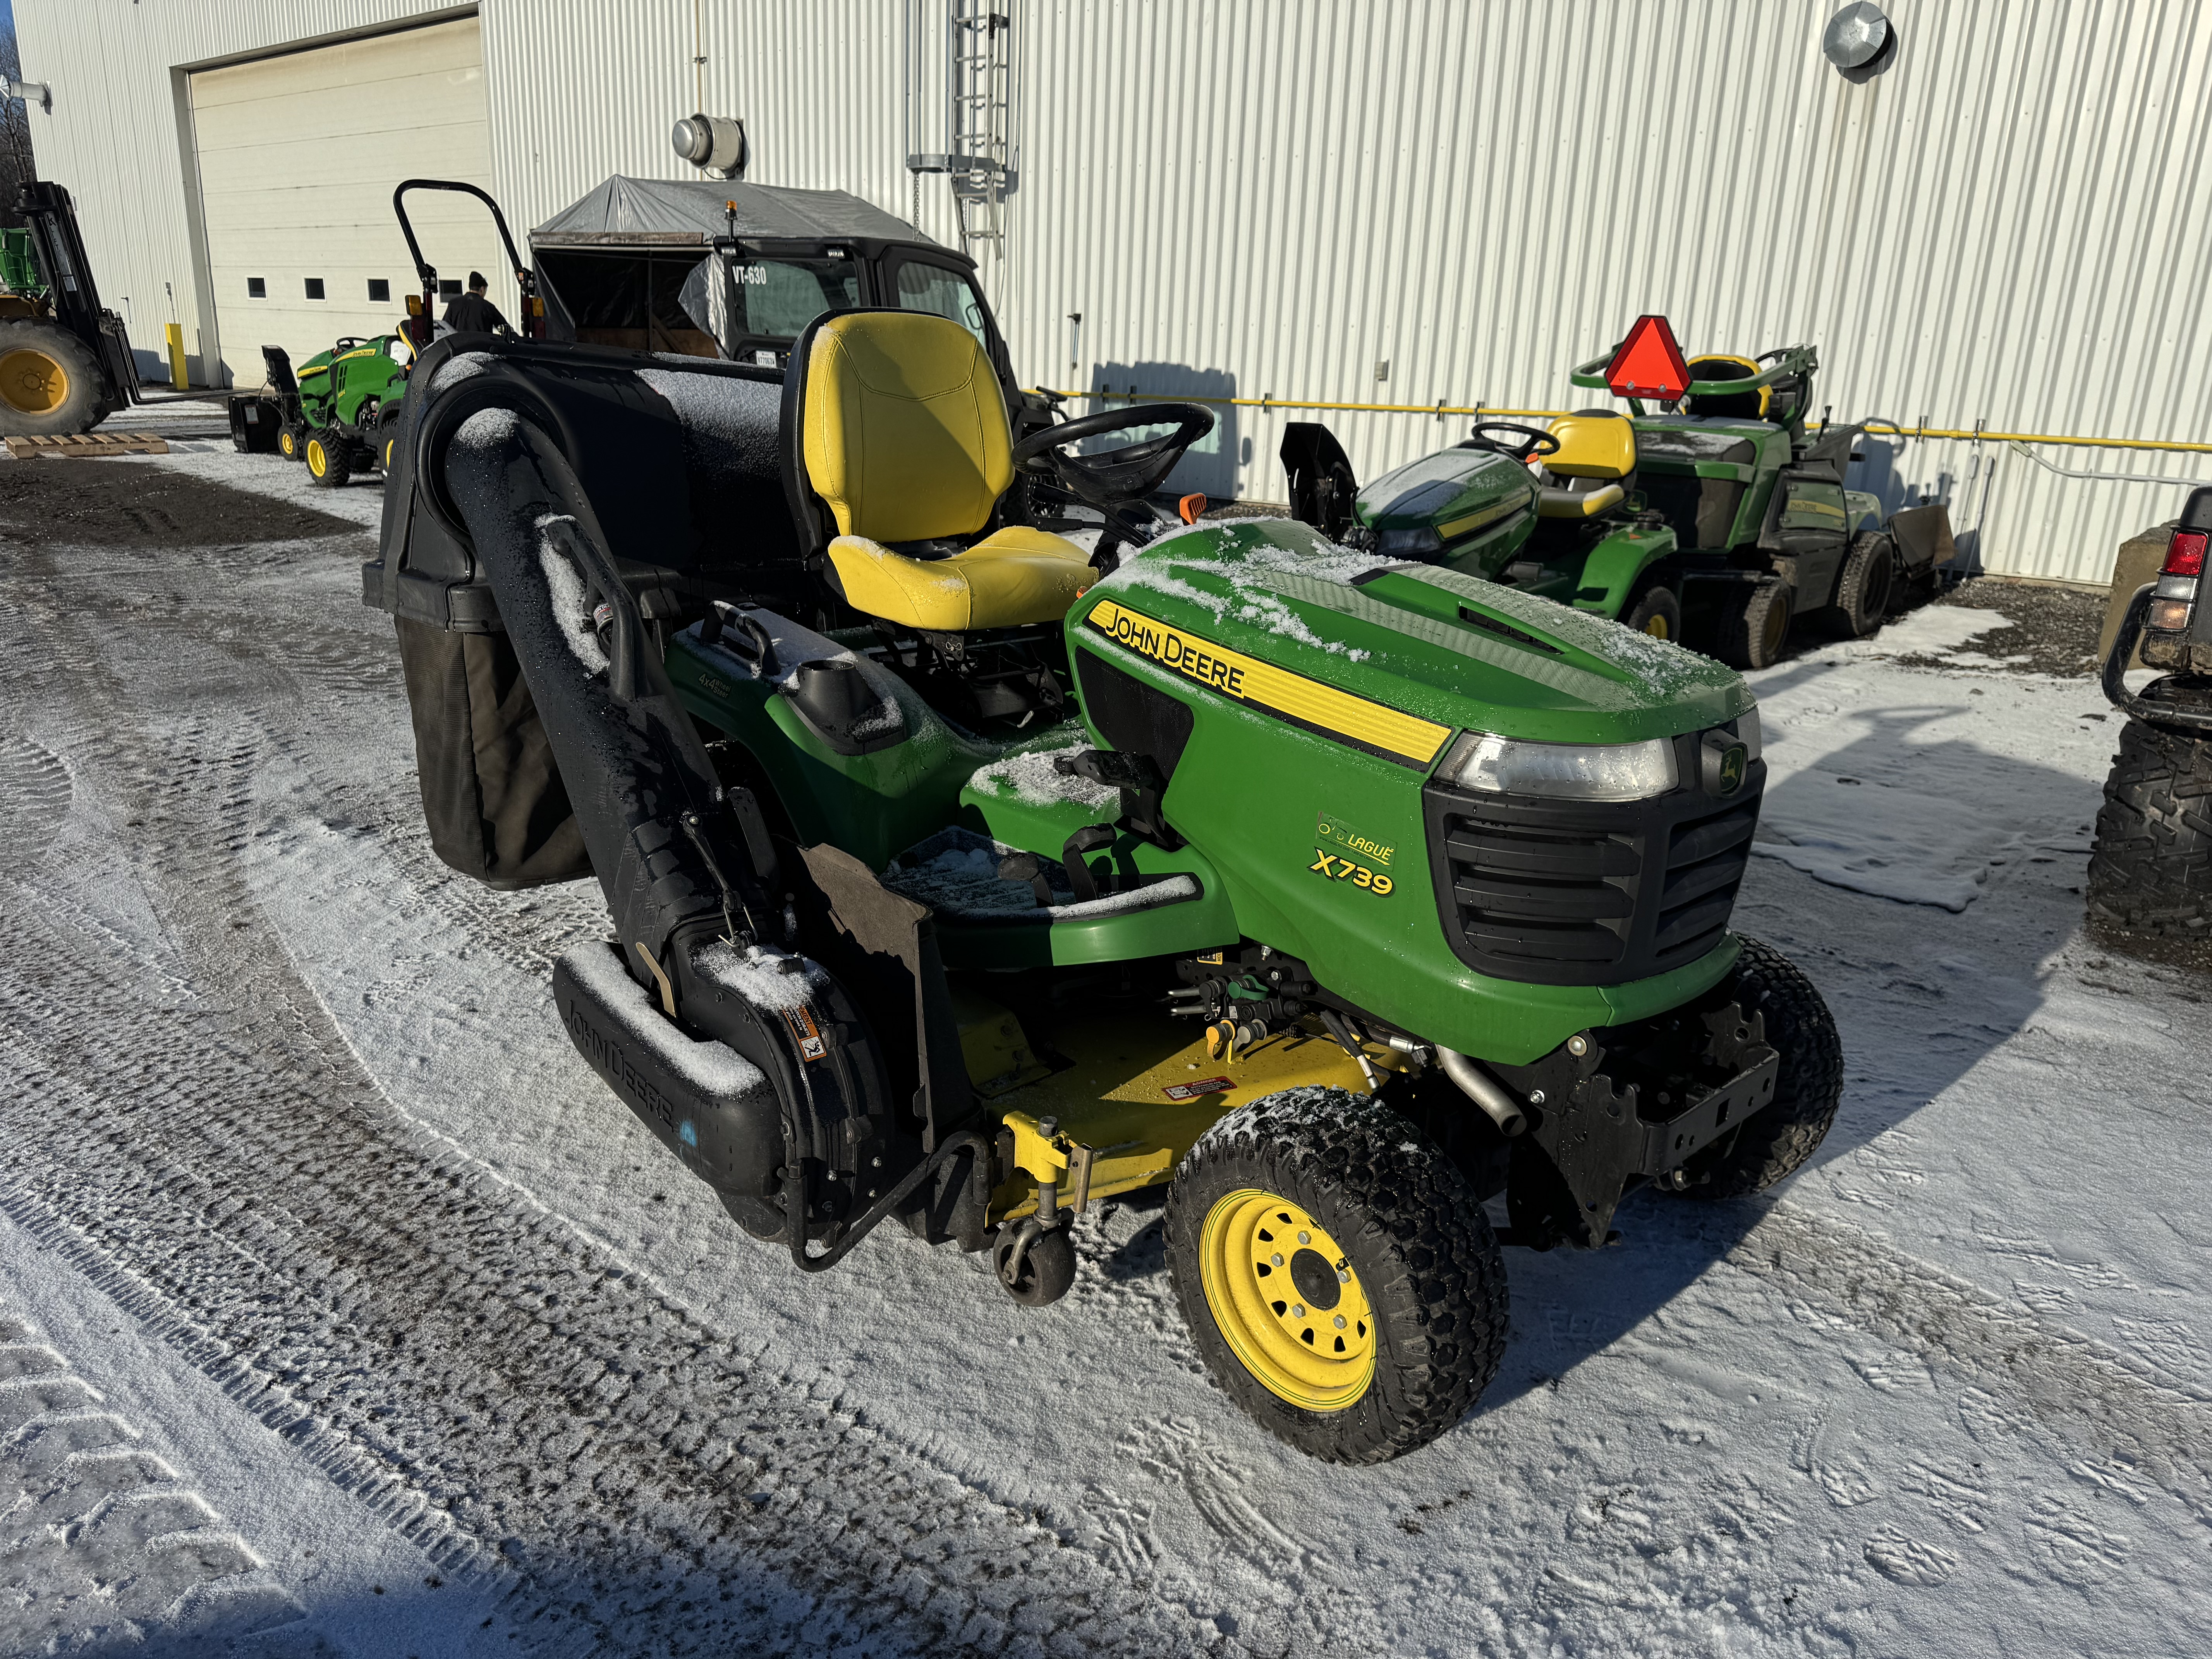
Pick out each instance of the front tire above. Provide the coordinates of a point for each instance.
(1774, 1143)
(1753, 637)
(329, 463)
(1863, 590)
(51, 384)
(1338, 1276)
(1657, 612)
(2151, 865)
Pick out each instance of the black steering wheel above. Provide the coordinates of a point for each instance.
(1127, 474)
(1527, 442)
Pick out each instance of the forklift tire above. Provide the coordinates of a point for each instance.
(1753, 636)
(329, 462)
(1337, 1275)
(1774, 1142)
(1657, 612)
(51, 385)
(2151, 865)
(1863, 590)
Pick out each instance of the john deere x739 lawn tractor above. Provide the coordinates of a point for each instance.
(1714, 520)
(963, 873)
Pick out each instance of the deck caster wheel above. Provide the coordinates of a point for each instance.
(1035, 1264)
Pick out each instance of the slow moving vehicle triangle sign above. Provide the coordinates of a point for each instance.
(1649, 364)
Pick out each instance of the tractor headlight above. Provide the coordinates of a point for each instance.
(1565, 771)
(1409, 543)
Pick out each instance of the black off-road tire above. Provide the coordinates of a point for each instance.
(292, 442)
(1411, 1230)
(2151, 865)
(335, 464)
(1753, 634)
(1774, 1142)
(1656, 603)
(1864, 589)
(34, 353)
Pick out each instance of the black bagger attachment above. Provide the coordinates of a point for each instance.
(737, 1009)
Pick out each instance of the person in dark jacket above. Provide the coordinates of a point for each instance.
(472, 313)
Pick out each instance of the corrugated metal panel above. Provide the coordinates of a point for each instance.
(2007, 226)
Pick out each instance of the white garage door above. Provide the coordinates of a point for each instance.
(298, 156)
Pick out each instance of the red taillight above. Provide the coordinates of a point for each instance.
(2184, 554)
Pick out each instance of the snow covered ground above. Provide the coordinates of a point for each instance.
(342, 1311)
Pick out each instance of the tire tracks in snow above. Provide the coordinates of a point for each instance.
(2076, 1385)
(512, 1397)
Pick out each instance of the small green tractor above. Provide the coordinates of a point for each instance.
(334, 412)
(65, 361)
(969, 869)
(1714, 521)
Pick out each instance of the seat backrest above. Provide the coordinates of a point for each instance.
(1593, 446)
(1721, 366)
(902, 424)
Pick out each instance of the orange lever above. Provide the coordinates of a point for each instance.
(1191, 506)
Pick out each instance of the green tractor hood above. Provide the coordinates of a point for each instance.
(1439, 650)
(1299, 697)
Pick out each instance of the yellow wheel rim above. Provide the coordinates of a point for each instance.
(388, 443)
(1286, 1301)
(32, 383)
(1657, 627)
(318, 462)
(284, 442)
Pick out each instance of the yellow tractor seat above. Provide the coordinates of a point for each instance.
(903, 427)
(1553, 503)
(1592, 446)
(1012, 578)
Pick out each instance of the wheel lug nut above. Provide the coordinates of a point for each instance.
(1340, 1322)
(1298, 1312)
(1342, 1277)
(1276, 1259)
(1305, 1238)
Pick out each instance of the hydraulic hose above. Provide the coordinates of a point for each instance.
(1484, 1091)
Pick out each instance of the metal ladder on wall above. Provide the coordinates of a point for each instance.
(979, 94)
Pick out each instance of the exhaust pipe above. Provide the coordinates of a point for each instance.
(1484, 1091)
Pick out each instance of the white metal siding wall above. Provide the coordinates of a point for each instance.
(2009, 225)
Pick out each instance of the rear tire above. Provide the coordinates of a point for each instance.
(330, 460)
(1775, 1142)
(1863, 590)
(51, 384)
(2151, 865)
(1657, 612)
(1753, 636)
(1316, 1205)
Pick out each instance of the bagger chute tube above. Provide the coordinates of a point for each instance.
(970, 871)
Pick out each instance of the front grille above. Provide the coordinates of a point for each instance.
(1555, 892)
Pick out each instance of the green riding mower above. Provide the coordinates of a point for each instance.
(969, 870)
(1715, 522)
(337, 412)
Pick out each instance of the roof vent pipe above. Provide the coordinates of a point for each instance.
(713, 143)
